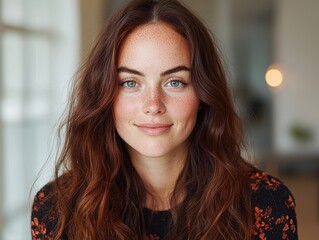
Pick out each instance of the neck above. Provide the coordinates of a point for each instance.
(159, 176)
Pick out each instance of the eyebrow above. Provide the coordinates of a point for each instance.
(167, 72)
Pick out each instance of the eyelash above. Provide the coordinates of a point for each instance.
(181, 84)
(125, 83)
(168, 84)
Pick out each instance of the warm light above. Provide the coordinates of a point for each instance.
(273, 77)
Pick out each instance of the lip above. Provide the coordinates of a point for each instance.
(154, 129)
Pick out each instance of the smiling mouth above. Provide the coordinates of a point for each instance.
(154, 129)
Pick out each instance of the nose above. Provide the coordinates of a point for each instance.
(154, 102)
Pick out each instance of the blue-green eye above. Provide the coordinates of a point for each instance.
(175, 84)
(129, 84)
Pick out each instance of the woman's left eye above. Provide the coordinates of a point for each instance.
(175, 84)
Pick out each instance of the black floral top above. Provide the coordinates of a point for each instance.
(274, 211)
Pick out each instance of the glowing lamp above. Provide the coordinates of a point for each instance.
(274, 77)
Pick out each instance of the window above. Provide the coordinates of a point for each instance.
(39, 52)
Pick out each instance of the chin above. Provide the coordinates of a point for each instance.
(151, 153)
(149, 150)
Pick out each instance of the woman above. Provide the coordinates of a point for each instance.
(153, 144)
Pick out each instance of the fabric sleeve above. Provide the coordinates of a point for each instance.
(275, 216)
(43, 217)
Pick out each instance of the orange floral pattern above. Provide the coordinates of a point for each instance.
(274, 211)
(43, 218)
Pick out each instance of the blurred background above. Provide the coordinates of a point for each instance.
(271, 53)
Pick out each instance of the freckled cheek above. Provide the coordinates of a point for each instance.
(186, 109)
(124, 109)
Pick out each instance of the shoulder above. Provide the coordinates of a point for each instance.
(44, 214)
(274, 207)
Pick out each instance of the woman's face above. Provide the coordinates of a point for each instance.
(156, 108)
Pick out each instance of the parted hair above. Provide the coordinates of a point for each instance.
(99, 194)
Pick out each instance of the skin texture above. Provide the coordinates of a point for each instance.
(156, 108)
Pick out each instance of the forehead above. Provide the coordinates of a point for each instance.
(155, 40)
(155, 30)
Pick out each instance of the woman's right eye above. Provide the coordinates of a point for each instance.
(129, 84)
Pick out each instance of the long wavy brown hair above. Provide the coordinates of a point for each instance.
(99, 194)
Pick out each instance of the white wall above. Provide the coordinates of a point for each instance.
(39, 52)
(297, 52)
